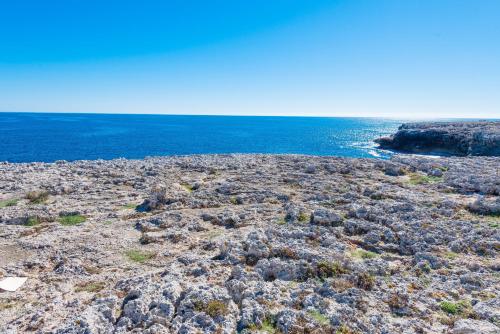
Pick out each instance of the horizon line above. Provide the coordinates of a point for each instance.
(248, 115)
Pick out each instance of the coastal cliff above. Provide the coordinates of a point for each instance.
(447, 138)
(251, 244)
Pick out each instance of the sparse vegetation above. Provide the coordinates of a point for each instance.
(189, 188)
(213, 308)
(319, 318)
(281, 221)
(303, 217)
(325, 269)
(286, 253)
(211, 235)
(363, 254)
(343, 329)
(130, 206)
(6, 305)
(32, 221)
(449, 307)
(91, 269)
(37, 197)
(268, 326)
(139, 256)
(365, 281)
(388, 266)
(8, 202)
(216, 308)
(461, 308)
(340, 284)
(398, 302)
(71, 219)
(451, 255)
(487, 216)
(426, 268)
(377, 196)
(91, 287)
(416, 179)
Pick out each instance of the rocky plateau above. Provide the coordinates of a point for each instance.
(252, 244)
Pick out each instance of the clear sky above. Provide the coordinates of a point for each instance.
(399, 58)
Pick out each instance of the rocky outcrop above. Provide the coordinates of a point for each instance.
(446, 138)
(250, 244)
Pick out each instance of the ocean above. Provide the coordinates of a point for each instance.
(47, 137)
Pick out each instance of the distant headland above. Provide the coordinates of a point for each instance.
(480, 138)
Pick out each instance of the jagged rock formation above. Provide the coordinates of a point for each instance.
(447, 138)
(251, 244)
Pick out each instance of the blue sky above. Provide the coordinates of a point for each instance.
(411, 58)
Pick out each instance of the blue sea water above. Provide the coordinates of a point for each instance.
(28, 137)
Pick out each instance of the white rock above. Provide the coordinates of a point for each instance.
(12, 283)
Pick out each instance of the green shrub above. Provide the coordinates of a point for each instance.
(451, 255)
(268, 326)
(213, 308)
(449, 307)
(130, 206)
(71, 220)
(303, 217)
(426, 268)
(461, 308)
(364, 254)
(416, 179)
(319, 318)
(8, 202)
(139, 256)
(32, 221)
(216, 308)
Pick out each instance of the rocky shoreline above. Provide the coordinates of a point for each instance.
(252, 244)
(448, 138)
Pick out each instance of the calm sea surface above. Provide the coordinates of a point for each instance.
(27, 137)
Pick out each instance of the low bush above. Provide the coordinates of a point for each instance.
(8, 202)
(319, 318)
(71, 219)
(449, 307)
(139, 256)
(325, 269)
(416, 179)
(364, 254)
(32, 221)
(213, 308)
(365, 281)
(37, 197)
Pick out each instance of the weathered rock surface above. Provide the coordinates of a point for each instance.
(449, 138)
(251, 244)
